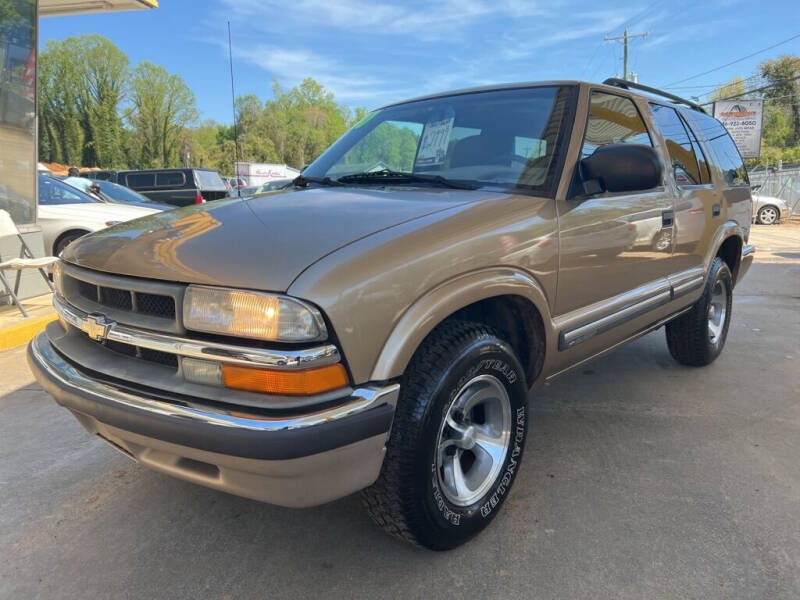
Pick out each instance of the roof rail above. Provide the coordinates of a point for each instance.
(630, 85)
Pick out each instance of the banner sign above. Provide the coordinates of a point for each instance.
(742, 119)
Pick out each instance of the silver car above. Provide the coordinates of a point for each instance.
(768, 210)
(66, 213)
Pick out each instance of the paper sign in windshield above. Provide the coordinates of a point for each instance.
(435, 138)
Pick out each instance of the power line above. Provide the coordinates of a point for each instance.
(753, 91)
(733, 62)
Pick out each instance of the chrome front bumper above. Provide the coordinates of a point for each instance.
(298, 460)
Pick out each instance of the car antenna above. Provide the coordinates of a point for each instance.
(235, 125)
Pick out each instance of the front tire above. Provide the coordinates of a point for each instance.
(696, 338)
(457, 439)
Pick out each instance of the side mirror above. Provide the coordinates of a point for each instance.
(756, 187)
(621, 168)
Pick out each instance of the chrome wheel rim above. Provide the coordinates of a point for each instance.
(473, 440)
(768, 216)
(717, 312)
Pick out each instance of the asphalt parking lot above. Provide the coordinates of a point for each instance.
(642, 479)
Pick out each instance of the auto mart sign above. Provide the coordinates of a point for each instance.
(742, 119)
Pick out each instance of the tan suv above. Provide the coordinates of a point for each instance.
(380, 326)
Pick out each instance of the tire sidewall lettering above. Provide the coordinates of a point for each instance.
(457, 515)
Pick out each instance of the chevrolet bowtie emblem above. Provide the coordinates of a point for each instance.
(96, 326)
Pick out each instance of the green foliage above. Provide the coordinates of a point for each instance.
(162, 107)
(781, 136)
(96, 111)
(81, 85)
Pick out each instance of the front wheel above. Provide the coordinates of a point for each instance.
(696, 338)
(457, 439)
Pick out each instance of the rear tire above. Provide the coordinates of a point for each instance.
(696, 338)
(457, 439)
(768, 215)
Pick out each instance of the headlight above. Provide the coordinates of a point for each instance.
(58, 279)
(251, 314)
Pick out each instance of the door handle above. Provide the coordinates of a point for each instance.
(715, 210)
(667, 218)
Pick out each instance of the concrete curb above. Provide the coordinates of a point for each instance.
(22, 332)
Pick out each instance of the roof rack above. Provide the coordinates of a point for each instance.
(630, 85)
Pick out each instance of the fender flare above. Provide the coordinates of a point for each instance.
(725, 231)
(447, 298)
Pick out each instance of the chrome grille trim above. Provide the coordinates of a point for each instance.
(285, 360)
(140, 303)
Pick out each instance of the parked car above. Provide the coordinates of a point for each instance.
(383, 330)
(113, 192)
(264, 188)
(768, 210)
(66, 213)
(179, 187)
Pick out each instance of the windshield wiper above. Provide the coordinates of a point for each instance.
(303, 181)
(387, 174)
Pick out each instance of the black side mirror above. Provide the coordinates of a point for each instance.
(621, 168)
(756, 187)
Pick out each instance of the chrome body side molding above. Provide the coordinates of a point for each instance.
(631, 305)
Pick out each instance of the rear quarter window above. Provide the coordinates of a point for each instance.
(724, 152)
(170, 179)
(140, 180)
(209, 180)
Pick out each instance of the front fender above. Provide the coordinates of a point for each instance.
(447, 298)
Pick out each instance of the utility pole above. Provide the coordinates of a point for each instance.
(624, 39)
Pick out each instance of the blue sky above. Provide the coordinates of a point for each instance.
(373, 52)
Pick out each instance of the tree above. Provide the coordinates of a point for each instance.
(81, 85)
(162, 107)
(783, 75)
(734, 87)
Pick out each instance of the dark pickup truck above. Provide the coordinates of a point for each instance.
(179, 187)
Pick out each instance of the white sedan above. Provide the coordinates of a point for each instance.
(65, 214)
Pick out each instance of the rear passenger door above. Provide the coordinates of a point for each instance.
(695, 195)
(606, 240)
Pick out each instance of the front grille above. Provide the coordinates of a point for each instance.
(128, 300)
(155, 356)
(153, 304)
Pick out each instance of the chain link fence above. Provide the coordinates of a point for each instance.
(784, 184)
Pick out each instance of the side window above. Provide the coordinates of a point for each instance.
(613, 120)
(529, 147)
(170, 178)
(140, 180)
(725, 153)
(705, 173)
(681, 152)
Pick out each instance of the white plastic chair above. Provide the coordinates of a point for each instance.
(25, 260)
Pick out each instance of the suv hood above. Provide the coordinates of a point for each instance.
(259, 243)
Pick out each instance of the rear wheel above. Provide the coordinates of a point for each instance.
(696, 338)
(767, 215)
(457, 439)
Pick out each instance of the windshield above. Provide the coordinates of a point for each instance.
(52, 191)
(119, 193)
(503, 138)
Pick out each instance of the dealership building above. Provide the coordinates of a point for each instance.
(19, 21)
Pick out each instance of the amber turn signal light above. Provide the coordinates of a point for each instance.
(288, 383)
